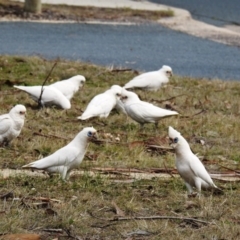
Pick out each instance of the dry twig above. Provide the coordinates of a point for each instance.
(40, 97)
(152, 218)
(7, 195)
(168, 99)
(49, 136)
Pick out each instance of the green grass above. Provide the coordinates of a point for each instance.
(209, 111)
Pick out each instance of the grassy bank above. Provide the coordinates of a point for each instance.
(11, 10)
(209, 120)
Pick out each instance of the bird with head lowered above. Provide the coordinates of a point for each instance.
(151, 81)
(102, 104)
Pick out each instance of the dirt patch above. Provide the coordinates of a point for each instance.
(186, 24)
(77, 13)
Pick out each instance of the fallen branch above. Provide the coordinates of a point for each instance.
(158, 217)
(167, 171)
(123, 70)
(168, 99)
(7, 195)
(40, 97)
(160, 147)
(162, 217)
(134, 170)
(55, 230)
(97, 141)
(61, 231)
(102, 225)
(195, 114)
(49, 136)
(43, 199)
(238, 172)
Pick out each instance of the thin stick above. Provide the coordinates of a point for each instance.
(55, 230)
(122, 70)
(151, 218)
(161, 217)
(40, 97)
(160, 147)
(50, 136)
(106, 141)
(169, 172)
(168, 99)
(229, 169)
(195, 114)
(7, 195)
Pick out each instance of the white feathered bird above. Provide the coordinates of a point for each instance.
(11, 124)
(102, 104)
(69, 86)
(68, 157)
(189, 167)
(151, 81)
(51, 96)
(143, 112)
(119, 105)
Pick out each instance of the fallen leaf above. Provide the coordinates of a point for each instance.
(118, 211)
(21, 237)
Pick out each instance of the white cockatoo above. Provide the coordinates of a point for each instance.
(69, 86)
(11, 124)
(119, 105)
(50, 96)
(189, 167)
(143, 112)
(102, 104)
(151, 81)
(68, 157)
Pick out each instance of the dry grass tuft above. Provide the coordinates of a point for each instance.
(88, 206)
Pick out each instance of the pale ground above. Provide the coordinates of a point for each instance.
(130, 176)
(182, 20)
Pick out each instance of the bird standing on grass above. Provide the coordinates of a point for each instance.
(143, 112)
(69, 86)
(151, 81)
(189, 167)
(68, 157)
(50, 96)
(11, 124)
(102, 104)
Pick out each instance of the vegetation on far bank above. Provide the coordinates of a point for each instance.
(14, 10)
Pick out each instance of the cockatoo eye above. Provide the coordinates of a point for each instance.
(90, 134)
(22, 113)
(175, 140)
(118, 94)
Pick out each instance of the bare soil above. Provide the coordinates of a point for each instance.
(72, 13)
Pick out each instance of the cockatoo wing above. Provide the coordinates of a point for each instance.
(145, 80)
(61, 157)
(100, 104)
(199, 170)
(50, 95)
(5, 123)
(67, 88)
(147, 111)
